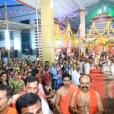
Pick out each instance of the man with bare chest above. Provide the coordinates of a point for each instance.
(83, 103)
(64, 95)
(85, 100)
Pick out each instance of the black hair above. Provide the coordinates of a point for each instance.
(30, 79)
(46, 62)
(34, 72)
(25, 70)
(46, 69)
(11, 69)
(6, 75)
(6, 66)
(27, 100)
(85, 75)
(3, 73)
(28, 72)
(18, 72)
(66, 75)
(8, 89)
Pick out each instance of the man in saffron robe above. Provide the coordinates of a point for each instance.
(6, 93)
(85, 100)
(64, 94)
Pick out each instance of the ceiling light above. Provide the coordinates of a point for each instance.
(100, 11)
(104, 9)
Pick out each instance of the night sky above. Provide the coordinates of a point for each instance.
(9, 2)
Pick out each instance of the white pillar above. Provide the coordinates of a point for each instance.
(82, 22)
(68, 43)
(17, 42)
(82, 32)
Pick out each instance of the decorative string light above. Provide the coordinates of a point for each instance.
(101, 38)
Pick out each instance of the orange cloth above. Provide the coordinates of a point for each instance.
(98, 82)
(40, 94)
(14, 103)
(11, 111)
(93, 101)
(95, 71)
(65, 100)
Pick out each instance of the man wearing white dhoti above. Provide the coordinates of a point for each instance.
(103, 64)
(75, 76)
(86, 66)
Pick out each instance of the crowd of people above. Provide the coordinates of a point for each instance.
(64, 87)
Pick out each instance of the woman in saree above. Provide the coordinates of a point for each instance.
(17, 84)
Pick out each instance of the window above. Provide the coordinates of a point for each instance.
(11, 35)
(25, 38)
(25, 21)
(2, 35)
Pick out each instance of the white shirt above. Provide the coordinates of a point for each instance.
(45, 107)
(86, 68)
(56, 58)
(109, 62)
(37, 59)
(103, 66)
(40, 87)
(6, 61)
(75, 78)
(81, 66)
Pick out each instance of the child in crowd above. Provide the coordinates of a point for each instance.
(59, 72)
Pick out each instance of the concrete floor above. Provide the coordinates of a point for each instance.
(109, 103)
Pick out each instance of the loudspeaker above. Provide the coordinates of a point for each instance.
(15, 53)
(28, 51)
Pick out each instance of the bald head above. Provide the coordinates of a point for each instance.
(77, 68)
(84, 76)
(85, 82)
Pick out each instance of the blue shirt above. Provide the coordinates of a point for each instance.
(6, 61)
(66, 69)
(54, 73)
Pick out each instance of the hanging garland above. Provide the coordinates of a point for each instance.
(100, 38)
